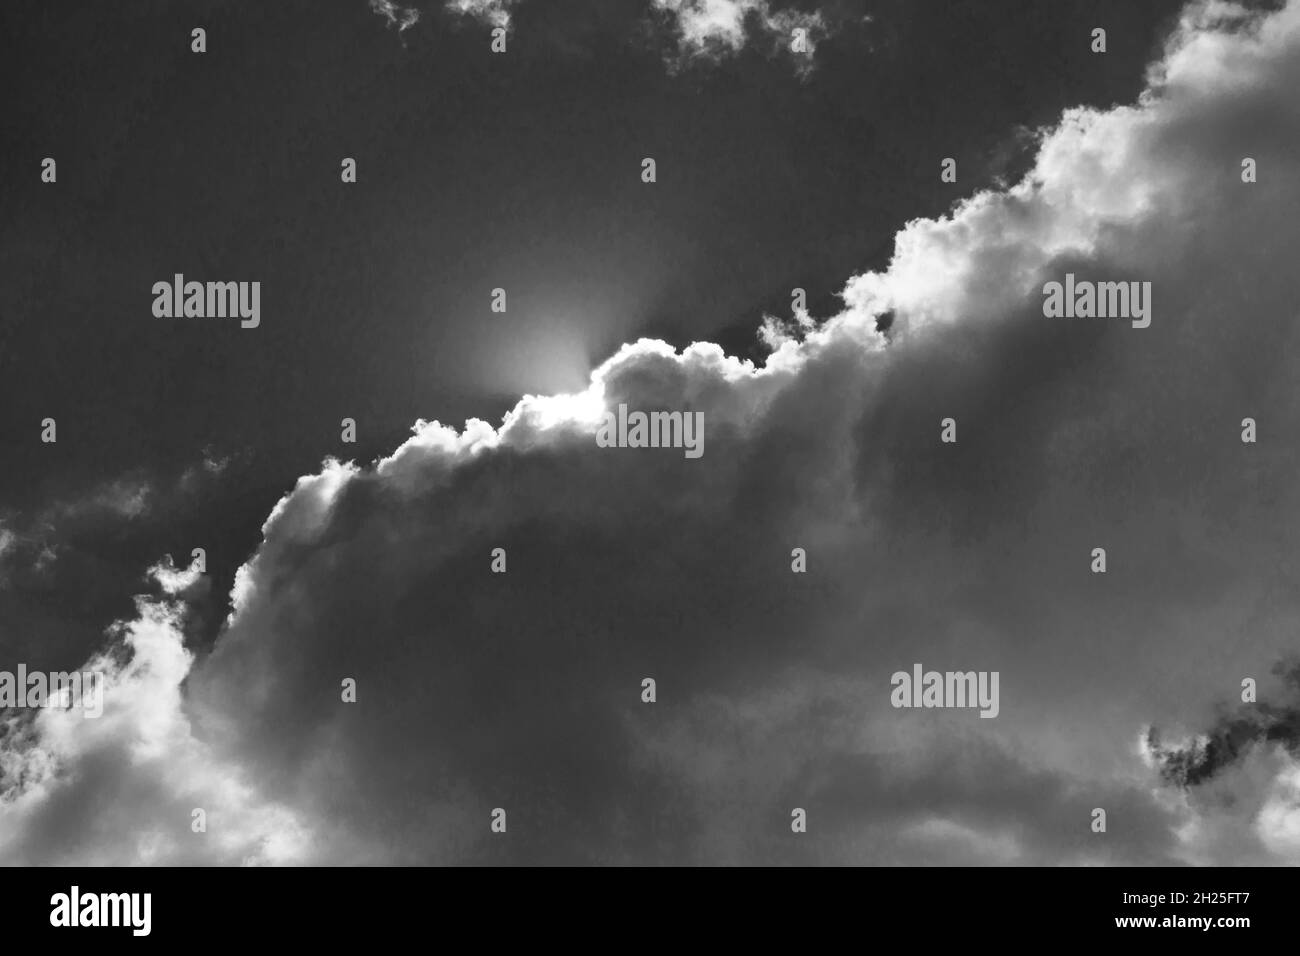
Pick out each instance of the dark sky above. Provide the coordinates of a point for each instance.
(476, 171)
(522, 171)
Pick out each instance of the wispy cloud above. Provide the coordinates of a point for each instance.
(401, 17)
(495, 13)
(696, 31)
(712, 29)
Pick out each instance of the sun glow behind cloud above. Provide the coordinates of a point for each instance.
(770, 682)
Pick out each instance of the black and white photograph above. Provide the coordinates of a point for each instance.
(650, 434)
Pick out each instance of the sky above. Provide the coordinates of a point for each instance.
(522, 690)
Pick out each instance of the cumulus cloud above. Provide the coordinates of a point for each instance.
(522, 690)
(124, 786)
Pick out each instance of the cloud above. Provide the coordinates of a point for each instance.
(125, 786)
(126, 497)
(32, 543)
(22, 553)
(1239, 781)
(696, 30)
(494, 13)
(522, 690)
(401, 17)
(712, 29)
(1233, 737)
(195, 477)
